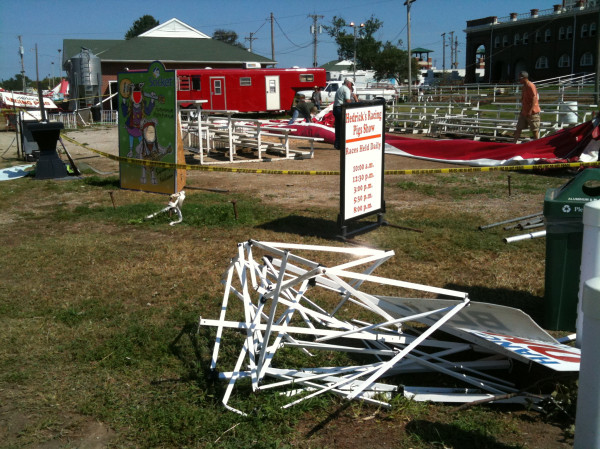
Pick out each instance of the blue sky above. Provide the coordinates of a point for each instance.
(47, 22)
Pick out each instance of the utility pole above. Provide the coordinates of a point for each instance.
(444, 53)
(451, 49)
(39, 87)
(456, 52)
(597, 81)
(22, 53)
(408, 3)
(251, 38)
(272, 39)
(353, 25)
(315, 29)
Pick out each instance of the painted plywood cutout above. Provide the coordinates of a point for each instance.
(148, 130)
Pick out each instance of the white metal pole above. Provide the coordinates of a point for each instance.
(590, 257)
(407, 3)
(587, 423)
(531, 235)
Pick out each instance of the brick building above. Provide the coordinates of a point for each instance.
(547, 43)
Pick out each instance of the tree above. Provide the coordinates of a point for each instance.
(15, 83)
(388, 60)
(392, 62)
(367, 47)
(141, 25)
(228, 36)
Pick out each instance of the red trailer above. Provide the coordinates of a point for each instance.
(246, 90)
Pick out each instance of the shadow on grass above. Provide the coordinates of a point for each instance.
(450, 435)
(332, 417)
(303, 226)
(111, 182)
(530, 304)
(192, 347)
(313, 227)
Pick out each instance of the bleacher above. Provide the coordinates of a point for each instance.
(224, 139)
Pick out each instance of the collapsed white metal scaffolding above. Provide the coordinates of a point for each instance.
(291, 301)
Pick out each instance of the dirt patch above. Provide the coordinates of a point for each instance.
(285, 189)
(64, 430)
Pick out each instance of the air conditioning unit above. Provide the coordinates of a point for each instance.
(252, 65)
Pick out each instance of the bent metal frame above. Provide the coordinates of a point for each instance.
(291, 301)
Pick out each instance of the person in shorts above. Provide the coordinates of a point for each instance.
(530, 108)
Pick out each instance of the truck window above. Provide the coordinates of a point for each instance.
(332, 88)
(196, 82)
(246, 81)
(307, 77)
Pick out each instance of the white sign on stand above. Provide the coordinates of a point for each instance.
(362, 162)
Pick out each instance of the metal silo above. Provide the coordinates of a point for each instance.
(85, 81)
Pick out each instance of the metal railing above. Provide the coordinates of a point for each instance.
(73, 120)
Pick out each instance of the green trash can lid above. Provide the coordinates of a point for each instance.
(568, 201)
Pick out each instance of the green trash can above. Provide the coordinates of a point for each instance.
(563, 213)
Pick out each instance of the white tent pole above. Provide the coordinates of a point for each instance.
(587, 424)
(590, 256)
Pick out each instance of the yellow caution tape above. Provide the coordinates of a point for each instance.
(424, 171)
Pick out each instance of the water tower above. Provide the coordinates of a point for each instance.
(85, 81)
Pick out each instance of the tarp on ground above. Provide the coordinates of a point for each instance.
(567, 145)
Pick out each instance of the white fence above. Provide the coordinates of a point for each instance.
(83, 118)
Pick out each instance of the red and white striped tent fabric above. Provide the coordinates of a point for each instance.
(575, 144)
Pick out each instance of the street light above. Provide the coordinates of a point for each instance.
(408, 3)
(353, 25)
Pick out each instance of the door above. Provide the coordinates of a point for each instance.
(218, 102)
(273, 99)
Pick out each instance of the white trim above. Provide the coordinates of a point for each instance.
(174, 28)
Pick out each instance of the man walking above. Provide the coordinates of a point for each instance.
(530, 108)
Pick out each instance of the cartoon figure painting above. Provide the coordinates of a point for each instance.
(150, 149)
(134, 108)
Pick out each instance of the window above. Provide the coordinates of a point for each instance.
(184, 82)
(538, 37)
(496, 42)
(505, 41)
(586, 59)
(569, 32)
(541, 63)
(584, 30)
(307, 77)
(547, 35)
(525, 38)
(593, 29)
(196, 82)
(561, 33)
(245, 81)
(564, 61)
(517, 39)
(217, 87)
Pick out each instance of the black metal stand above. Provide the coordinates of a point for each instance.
(49, 165)
(345, 234)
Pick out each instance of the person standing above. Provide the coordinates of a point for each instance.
(316, 97)
(343, 95)
(530, 108)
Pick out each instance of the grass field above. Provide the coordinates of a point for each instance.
(99, 308)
